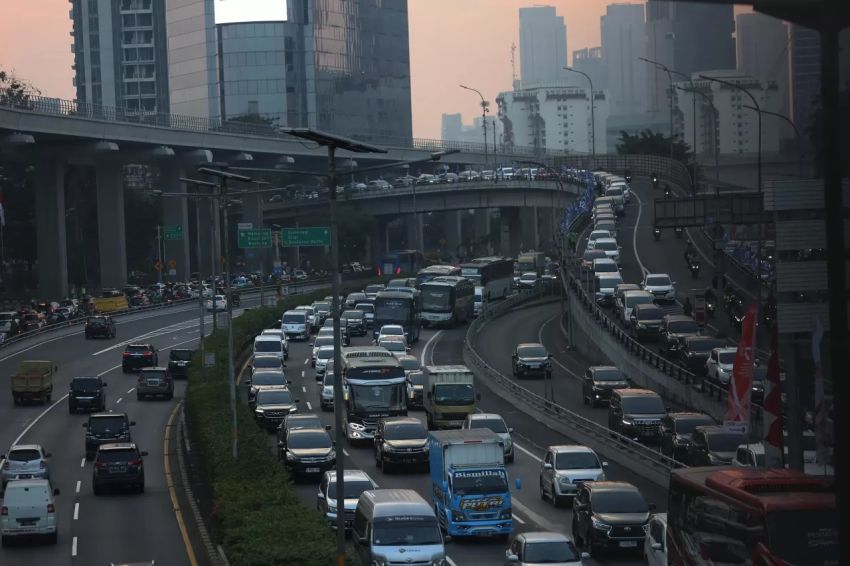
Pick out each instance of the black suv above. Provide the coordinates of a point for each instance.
(118, 464)
(713, 445)
(645, 321)
(138, 356)
(531, 359)
(674, 329)
(154, 382)
(676, 431)
(178, 362)
(292, 422)
(106, 428)
(401, 441)
(695, 351)
(609, 515)
(272, 405)
(87, 393)
(355, 322)
(636, 413)
(309, 451)
(100, 327)
(598, 383)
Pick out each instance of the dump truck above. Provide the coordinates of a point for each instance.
(33, 381)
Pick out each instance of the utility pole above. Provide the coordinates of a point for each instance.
(159, 253)
(592, 115)
(485, 106)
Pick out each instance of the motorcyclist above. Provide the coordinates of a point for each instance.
(690, 252)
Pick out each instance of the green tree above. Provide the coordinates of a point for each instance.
(648, 142)
(15, 91)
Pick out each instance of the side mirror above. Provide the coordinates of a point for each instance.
(511, 429)
(652, 506)
(246, 381)
(56, 491)
(585, 556)
(298, 400)
(46, 455)
(328, 427)
(547, 466)
(320, 496)
(518, 483)
(511, 557)
(656, 546)
(104, 384)
(143, 453)
(604, 464)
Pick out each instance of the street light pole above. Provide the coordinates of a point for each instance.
(793, 125)
(714, 149)
(592, 115)
(485, 106)
(670, 72)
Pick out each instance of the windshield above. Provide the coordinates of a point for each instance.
(576, 461)
(274, 397)
(643, 405)
(353, 314)
(268, 378)
(726, 358)
(479, 481)
(648, 314)
(609, 282)
(454, 394)
(294, 318)
(417, 378)
(324, 340)
(436, 299)
(376, 397)
(353, 488)
(104, 425)
(683, 327)
(658, 281)
(266, 362)
(180, 355)
(96, 322)
(267, 346)
(606, 245)
(85, 385)
(632, 300)
(371, 289)
(322, 307)
(365, 307)
(612, 374)
(605, 267)
(804, 536)
(393, 345)
(550, 552)
(405, 431)
(532, 352)
(325, 353)
(407, 531)
(618, 502)
(117, 455)
(309, 439)
(724, 441)
(392, 331)
(496, 425)
(409, 364)
(687, 426)
(590, 255)
(24, 455)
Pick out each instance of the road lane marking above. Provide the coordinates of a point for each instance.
(130, 390)
(177, 327)
(428, 345)
(119, 400)
(190, 552)
(113, 368)
(450, 561)
(517, 518)
(643, 269)
(528, 453)
(79, 483)
(309, 406)
(76, 510)
(344, 451)
(303, 389)
(38, 418)
(539, 520)
(83, 462)
(74, 546)
(554, 359)
(307, 361)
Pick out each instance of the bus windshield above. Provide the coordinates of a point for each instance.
(400, 310)
(376, 397)
(436, 299)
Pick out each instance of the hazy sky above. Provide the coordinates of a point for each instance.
(451, 42)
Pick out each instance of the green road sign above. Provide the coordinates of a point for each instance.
(306, 237)
(260, 238)
(172, 231)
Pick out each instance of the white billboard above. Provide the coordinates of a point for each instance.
(232, 11)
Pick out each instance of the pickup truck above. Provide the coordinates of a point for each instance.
(449, 395)
(33, 381)
(469, 483)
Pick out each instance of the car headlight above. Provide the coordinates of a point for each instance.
(506, 514)
(628, 422)
(259, 411)
(389, 448)
(290, 457)
(331, 456)
(331, 508)
(356, 426)
(564, 480)
(597, 524)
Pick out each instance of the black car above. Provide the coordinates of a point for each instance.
(179, 360)
(86, 393)
(645, 321)
(272, 405)
(154, 382)
(292, 422)
(100, 327)
(354, 298)
(531, 359)
(400, 441)
(636, 413)
(676, 431)
(106, 428)
(695, 351)
(264, 378)
(138, 356)
(355, 322)
(598, 383)
(609, 515)
(674, 329)
(309, 451)
(118, 465)
(713, 445)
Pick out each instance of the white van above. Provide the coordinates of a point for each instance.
(265, 345)
(295, 325)
(396, 526)
(29, 510)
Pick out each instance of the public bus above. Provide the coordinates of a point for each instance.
(428, 273)
(377, 388)
(751, 516)
(401, 262)
(447, 300)
(494, 274)
(395, 307)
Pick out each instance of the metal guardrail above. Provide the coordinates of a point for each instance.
(599, 433)
(50, 328)
(642, 165)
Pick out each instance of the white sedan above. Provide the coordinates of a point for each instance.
(217, 303)
(390, 330)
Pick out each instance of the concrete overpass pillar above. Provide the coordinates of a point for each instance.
(509, 221)
(50, 236)
(175, 213)
(111, 235)
(378, 241)
(481, 241)
(413, 223)
(546, 226)
(252, 211)
(529, 228)
(452, 233)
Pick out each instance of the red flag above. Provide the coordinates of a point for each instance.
(774, 450)
(740, 386)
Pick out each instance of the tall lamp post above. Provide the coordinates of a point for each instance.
(670, 72)
(485, 107)
(792, 124)
(592, 114)
(715, 149)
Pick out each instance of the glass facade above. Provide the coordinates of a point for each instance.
(192, 67)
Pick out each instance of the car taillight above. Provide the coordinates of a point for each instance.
(148, 354)
(51, 508)
(99, 466)
(4, 510)
(126, 354)
(136, 462)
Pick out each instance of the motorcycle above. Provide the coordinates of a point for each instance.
(655, 181)
(710, 307)
(694, 267)
(667, 193)
(678, 230)
(657, 233)
(628, 177)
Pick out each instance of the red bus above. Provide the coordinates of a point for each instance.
(751, 516)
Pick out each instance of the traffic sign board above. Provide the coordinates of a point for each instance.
(245, 226)
(306, 237)
(173, 231)
(158, 266)
(172, 263)
(255, 238)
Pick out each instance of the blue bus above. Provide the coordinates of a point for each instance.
(495, 275)
(401, 262)
(395, 307)
(447, 300)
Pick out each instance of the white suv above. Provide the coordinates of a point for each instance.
(565, 468)
(661, 286)
(495, 423)
(719, 365)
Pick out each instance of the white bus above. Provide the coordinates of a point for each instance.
(494, 274)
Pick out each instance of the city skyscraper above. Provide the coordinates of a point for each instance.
(589, 60)
(762, 45)
(623, 41)
(452, 127)
(192, 58)
(542, 45)
(120, 54)
(805, 74)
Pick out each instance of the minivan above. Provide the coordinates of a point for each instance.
(265, 345)
(295, 325)
(29, 510)
(396, 526)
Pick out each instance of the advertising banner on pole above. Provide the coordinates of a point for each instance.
(737, 417)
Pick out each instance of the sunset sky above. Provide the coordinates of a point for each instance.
(451, 42)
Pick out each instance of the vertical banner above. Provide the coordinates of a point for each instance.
(821, 410)
(737, 417)
(774, 442)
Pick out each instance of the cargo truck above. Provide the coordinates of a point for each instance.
(469, 483)
(33, 381)
(449, 395)
(531, 261)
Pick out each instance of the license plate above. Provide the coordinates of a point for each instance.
(117, 469)
(24, 476)
(628, 544)
(409, 460)
(153, 382)
(312, 470)
(27, 522)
